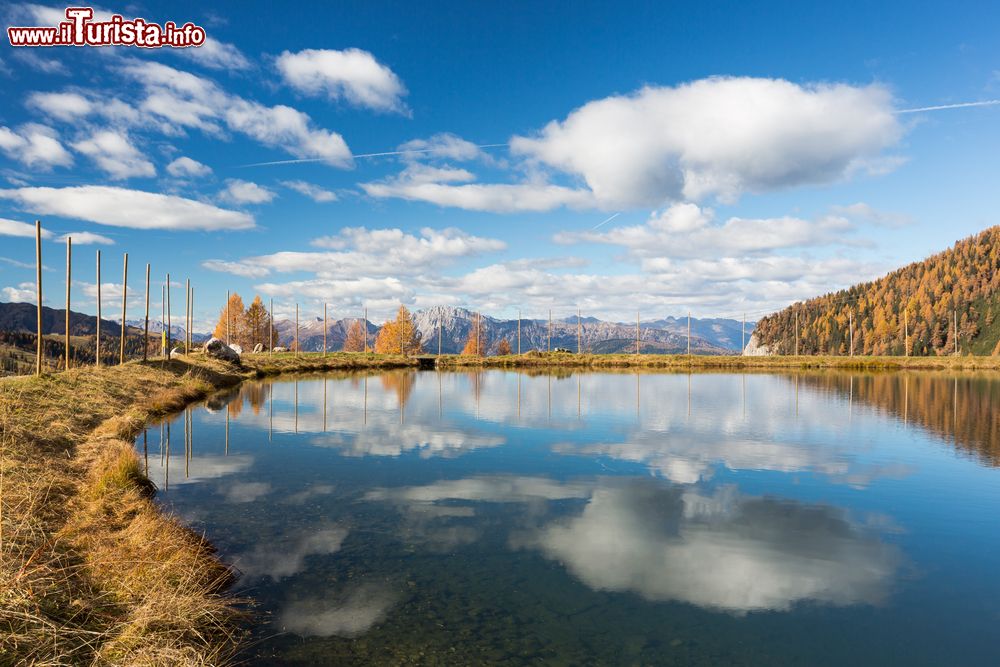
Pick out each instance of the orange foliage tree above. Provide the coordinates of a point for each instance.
(399, 336)
(355, 341)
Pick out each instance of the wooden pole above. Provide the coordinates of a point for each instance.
(519, 332)
(440, 335)
(270, 328)
(145, 332)
(97, 343)
(121, 343)
(324, 330)
(796, 333)
(579, 332)
(187, 314)
(479, 350)
(744, 333)
(169, 332)
(296, 330)
(38, 288)
(850, 321)
(364, 327)
(69, 277)
(227, 317)
(550, 329)
(399, 323)
(637, 332)
(906, 333)
(956, 332)
(689, 333)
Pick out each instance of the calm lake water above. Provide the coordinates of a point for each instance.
(602, 518)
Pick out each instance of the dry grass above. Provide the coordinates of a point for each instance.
(91, 571)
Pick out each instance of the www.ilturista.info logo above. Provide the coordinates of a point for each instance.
(81, 30)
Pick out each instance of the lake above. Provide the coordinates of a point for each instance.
(499, 517)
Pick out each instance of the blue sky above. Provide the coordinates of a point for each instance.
(739, 156)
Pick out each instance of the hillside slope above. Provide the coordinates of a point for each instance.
(918, 303)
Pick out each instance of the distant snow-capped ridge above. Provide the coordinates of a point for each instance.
(452, 325)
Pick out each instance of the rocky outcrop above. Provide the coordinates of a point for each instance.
(755, 349)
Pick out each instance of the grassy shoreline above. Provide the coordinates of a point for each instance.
(92, 571)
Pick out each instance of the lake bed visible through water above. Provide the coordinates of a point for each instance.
(496, 517)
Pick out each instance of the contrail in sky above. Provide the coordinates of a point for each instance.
(960, 105)
(608, 220)
(360, 155)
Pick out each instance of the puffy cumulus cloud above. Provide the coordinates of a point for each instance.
(355, 251)
(214, 54)
(686, 230)
(348, 615)
(716, 137)
(246, 492)
(72, 105)
(114, 154)
(393, 439)
(182, 100)
(352, 75)
(185, 167)
(725, 551)
(21, 293)
(245, 192)
(23, 229)
(314, 192)
(36, 146)
(86, 238)
(122, 207)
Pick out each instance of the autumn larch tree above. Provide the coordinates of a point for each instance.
(476, 342)
(398, 336)
(503, 349)
(355, 341)
(236, 315)
(258, 327)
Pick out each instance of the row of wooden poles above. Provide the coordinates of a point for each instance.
(165, 301)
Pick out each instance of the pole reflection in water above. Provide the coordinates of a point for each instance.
(296, 406)
(746, 518)
(145, 452)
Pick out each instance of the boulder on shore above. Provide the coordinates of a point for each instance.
(280, 349)
(755, 349)
(219, 350)
(258, 348)
(176, 353)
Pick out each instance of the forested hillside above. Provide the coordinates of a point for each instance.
(914, 306)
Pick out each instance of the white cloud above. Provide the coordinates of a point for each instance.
(23, 229)
(214, 54)
(716, 137)
(242, 269)
(185, 100)
(121, 207)
(114, 154)
(46, 62)
(285, 555)
(245, 192)
(496, 197)
(86, 238)
(352, 75)
(37, 146)
(184, 167)
(23, 293)
(62, 106)
(685, 230)
(314, 192)
(387, 253)
(444, 145)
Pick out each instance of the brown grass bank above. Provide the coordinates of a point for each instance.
(91, 571)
